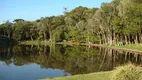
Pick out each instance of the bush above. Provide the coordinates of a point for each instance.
(64, 40)
(128, 72)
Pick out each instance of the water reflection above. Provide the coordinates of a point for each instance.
(69, 59)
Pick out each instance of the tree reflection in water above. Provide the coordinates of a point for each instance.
(72, 59)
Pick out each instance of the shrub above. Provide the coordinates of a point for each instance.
(64, 40)
(128, 72)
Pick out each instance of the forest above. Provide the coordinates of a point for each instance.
(114, 22)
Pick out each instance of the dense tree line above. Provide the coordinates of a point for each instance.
(114, 22)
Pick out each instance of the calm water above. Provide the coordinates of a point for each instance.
(36, 62)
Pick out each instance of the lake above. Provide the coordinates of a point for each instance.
(24, 62)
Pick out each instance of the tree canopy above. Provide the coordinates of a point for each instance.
(114, 22)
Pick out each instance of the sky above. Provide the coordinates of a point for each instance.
(35, 9)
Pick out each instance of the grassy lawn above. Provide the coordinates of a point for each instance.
(125, 72)
(137, 47)
(35, 42)
(91, 76)
(132, 47)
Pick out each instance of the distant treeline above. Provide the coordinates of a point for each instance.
(114, 22)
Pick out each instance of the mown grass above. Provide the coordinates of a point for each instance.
(43, 42)
(91, 76)
(126, 72)
(132, 47)
(35, 42)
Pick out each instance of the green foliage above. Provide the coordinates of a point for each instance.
(71, 33)
(21, 30)
(119, 20)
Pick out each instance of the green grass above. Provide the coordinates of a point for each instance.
(132, 47)
(91, 76)
(43, 42)
(126, 72)
(35, 42)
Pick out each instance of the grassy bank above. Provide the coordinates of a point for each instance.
(131, 48)
(127, 72)
(91, 76)
(45, 42)
(35, 42)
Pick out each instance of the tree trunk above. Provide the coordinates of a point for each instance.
(136, 40)
(114, 38)
(105, 40)
(126, 40)
(110, 38)
(9, 35)
(31, 38)
(45, 35)
(100, 42)
(50, 33)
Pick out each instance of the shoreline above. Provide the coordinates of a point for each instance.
(116, 48)
(105, 46)
(118, 73)
(104, 75)
(122, 48)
